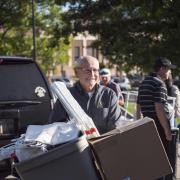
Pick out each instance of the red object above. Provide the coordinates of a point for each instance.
(90, 131)
(13, 155)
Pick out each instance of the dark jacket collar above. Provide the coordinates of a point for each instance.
(78, 86)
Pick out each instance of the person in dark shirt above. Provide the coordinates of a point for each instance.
(105, 77)
(99, 102)
(173, 91)
(152, 101)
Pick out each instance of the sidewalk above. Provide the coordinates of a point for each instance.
(178, 163)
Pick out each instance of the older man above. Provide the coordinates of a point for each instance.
(99, 102)
(105, 77)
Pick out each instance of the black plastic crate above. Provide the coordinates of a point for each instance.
(70, 161)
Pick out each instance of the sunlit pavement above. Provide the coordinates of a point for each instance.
(178, 163)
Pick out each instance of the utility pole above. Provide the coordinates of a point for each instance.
(34, 32)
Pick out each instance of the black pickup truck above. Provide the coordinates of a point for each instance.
(25, 98)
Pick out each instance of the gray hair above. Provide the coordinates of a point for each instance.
(81, 60)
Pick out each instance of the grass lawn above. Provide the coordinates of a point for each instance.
(132, 108)
(178, 120)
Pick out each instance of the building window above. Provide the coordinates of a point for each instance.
(92, 52)
(76, 52)
(95, 53)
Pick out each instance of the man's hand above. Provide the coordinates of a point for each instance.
(168, 135)
(161, 114)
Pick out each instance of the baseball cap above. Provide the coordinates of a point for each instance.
(105, 72)
(162, 61)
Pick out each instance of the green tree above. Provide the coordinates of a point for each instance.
(52, 47)
(16, 31)
(14, 28)
(131, 33)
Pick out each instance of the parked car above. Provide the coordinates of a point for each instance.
(135, 80)
(66, 80)
(123, 83)
(25, 99)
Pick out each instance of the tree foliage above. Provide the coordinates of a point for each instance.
(13, 28)
(52, 46)
(131, 33)
(16, 31)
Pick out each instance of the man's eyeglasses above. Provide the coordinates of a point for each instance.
(89, 70)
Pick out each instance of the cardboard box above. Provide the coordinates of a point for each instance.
(132, 152)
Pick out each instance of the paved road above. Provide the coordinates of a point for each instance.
(178, 163)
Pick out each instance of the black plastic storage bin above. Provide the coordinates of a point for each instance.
(174, 149)
(70, 161)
